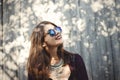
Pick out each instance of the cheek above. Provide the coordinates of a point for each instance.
(49, 39)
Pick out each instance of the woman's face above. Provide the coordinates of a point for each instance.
(52, 41)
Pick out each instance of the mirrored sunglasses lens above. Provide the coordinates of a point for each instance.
(58, 29)
(51, 32)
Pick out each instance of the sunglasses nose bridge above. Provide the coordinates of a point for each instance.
(56, 31)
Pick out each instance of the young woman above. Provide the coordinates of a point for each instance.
(48, 60)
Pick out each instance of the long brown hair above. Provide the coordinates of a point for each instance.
(39, 60)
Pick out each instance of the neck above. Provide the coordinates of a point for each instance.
(53, 52)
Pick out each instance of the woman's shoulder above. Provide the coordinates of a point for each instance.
(77, 56)
(72, 54)
(74, 57)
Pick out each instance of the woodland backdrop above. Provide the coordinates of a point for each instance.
(91, 28)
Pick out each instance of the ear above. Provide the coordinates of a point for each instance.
(44, 44)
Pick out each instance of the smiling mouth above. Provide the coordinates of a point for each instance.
(58, 37)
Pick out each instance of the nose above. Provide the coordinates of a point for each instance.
(57, 32)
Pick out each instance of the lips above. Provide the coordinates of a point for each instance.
(58, 37)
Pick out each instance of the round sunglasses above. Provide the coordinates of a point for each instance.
(52, 32)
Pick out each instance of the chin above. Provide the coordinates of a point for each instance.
(56, 43)
(59, 42)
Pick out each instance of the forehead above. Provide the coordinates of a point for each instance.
(48, 26)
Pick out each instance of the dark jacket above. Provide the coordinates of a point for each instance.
(77, 67)
(78, 70)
